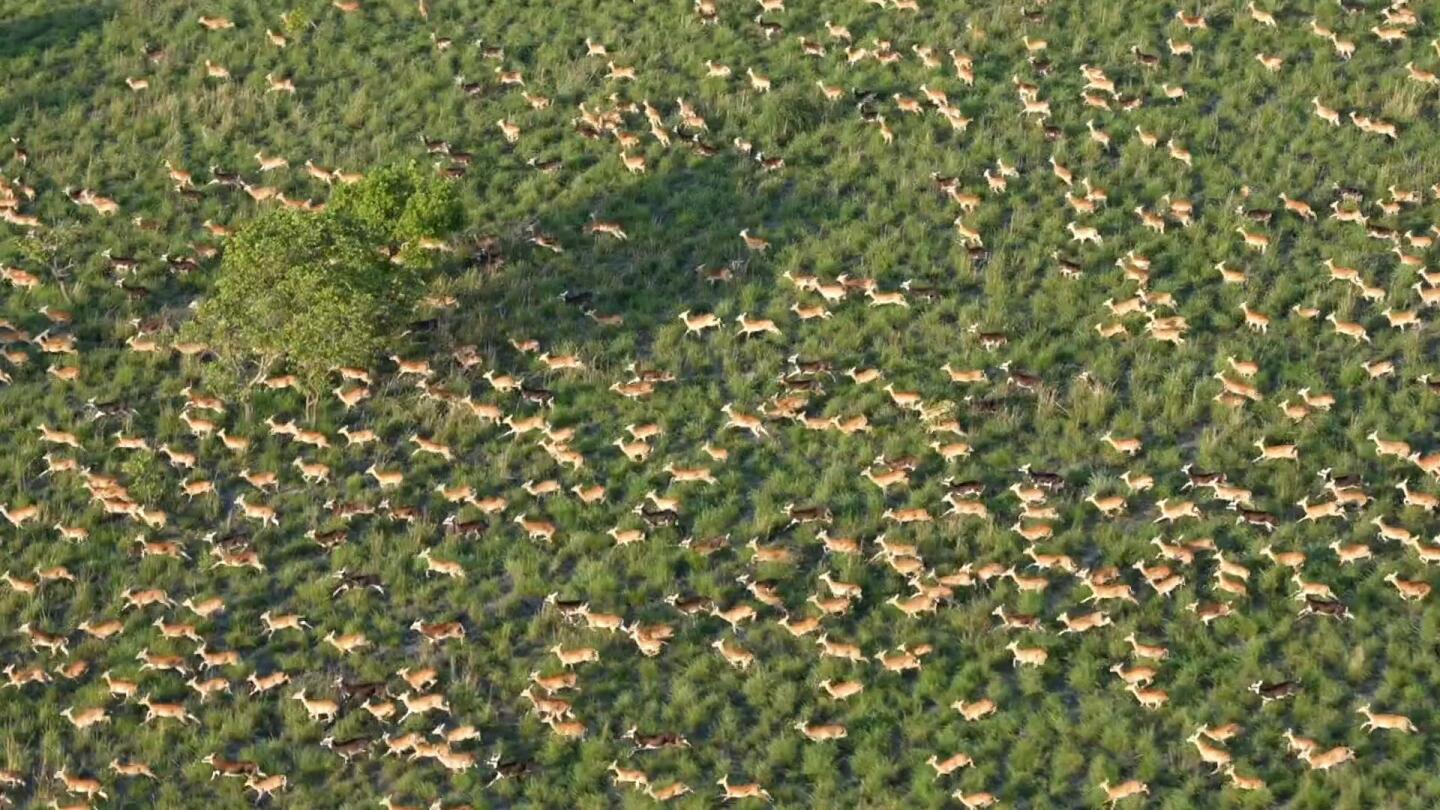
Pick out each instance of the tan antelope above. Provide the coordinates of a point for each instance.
(1129, 788)
(1409, 590)
(1392, 722)
(1027, 656)
(83, 786)
(1325, 760)
(821, 732)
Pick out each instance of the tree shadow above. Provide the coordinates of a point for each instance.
(681, 250)
(72, 75)
(40, 32)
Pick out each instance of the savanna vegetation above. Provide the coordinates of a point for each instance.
(798, 375)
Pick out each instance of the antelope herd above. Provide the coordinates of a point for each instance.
(365, 516)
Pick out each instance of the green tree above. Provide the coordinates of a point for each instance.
(401, 208)
(317, 291)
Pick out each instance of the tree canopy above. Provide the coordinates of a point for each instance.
(315, 291)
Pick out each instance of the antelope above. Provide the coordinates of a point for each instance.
(800, 628)
(1313, 590)
(285, 621)
(1321, 510)
(1140, 676)
(1153, 221)
(734, 654)
(1027, 656)
(1423, 500)
(265, 787)
(1083, 623)
(89, 788)
(132, 769)
(31, 587)
(282, 85)
(1349, 329)
(1389, 34)
(348, 643)
(1325, 760)
(973, 712)
(1229, 276)
(670, 791)
(448, 568)
(260, 684)
(1402, 319)
(1124, 446)
(950, 764)
(264, 514)
(1254, 239)
(974, 801)
(1130, 787)
(1409, 590)
(260, 480)
(821, 732)
(86, 717)
(1421, 76)
(1084, 233)
(1385, 447)
(145, 598)
(573, 657)
(166, 711)
(1149, 698)
(386, 479)
(1392, 722)
(837, 649)
(842, 690)
(750, 790)
(1298, 207)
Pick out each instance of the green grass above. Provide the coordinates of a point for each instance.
(370, 84)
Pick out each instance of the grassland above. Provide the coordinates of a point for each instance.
(371, 84)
